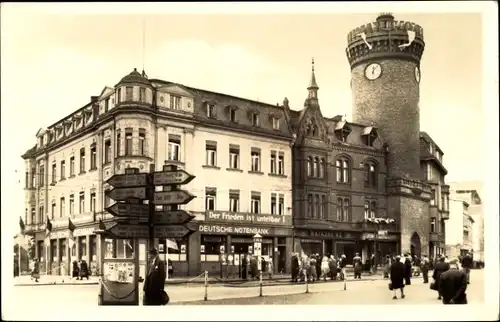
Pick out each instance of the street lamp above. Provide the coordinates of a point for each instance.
(378, 221)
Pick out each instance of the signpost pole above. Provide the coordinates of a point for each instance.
(151, 228)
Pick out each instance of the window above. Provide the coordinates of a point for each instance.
(310, 205)
(41, 214)
(234, 156)
(106, 105)
(369, 139)
(107, 199)
(273, 162)
(433, 225)
(53, 209)
(119, 96)
(281, 205)
(142, 94)
(62, 207)
(321, 168)
(210, 110)
(33, 215)
(174, 147)
(342, 166)
(274, 204)
(310, 172)
(255, 119)
(443, 207)
(255, 155)
(447, 203)
(324, 207)
(281, 163)
(232, 115)
(343, 209)
(92, 202)
(129, 90)
(431, 149)
(81, 208)
(175, 102)
(26, 180)
(211, 153)
(210, 196)
(234, 201)
(63, 169)
(33, 177)
(319, 209)
(71, 166)
(142, 142)
(429, 172)
(373, 209)
(71, 204)
(118, 142)
(107, 151)
(370, 175)
(433, 197)
(128, 142)
(93, 157)
(82, 160)
(342, 134)
(42, 176)
(276, 123)
(255, 204)
(54, 172)
(316, 167)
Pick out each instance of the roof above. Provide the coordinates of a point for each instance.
(425, 155)
(428, 139)
(29, 152)
(135, 77)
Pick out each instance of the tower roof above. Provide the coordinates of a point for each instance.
(135, 77)
(312, 83)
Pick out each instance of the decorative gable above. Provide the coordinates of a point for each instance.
(176, 90)
(312, 124)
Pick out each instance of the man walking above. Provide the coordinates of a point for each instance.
(424, 267)
(408, 269)
(440, 267)
(154, 285)
(398, 274)
(467, 264)
(453, 284)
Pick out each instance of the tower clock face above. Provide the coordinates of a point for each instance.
(417, 74)
(373, 71)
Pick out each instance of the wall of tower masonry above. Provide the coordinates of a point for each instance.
(383, 26)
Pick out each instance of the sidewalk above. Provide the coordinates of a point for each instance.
(26, 280)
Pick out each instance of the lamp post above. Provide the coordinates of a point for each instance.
(378, 221)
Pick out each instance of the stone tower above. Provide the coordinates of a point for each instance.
(385, 74)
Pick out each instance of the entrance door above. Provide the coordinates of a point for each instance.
(281, 259)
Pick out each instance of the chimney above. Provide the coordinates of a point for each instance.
(93, 99)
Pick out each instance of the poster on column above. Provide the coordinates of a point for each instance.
(119, 285)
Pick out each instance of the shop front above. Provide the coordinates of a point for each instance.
(223, 240)
(326, 242)
(380, 244)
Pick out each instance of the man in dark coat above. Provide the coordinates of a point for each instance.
(84, 269)
(467, 263)
(440, 267)
(295, 267)
(453, 284)
(398, 274)
(154, 285)
(318, 266)
(408, 267)
(244, 264)
(332, 265)
(424, 267)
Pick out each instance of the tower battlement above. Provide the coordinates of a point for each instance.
(385, 38)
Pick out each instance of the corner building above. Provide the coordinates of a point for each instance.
(238, 149)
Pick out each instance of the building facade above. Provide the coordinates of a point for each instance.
(459, 230)
(239, 150)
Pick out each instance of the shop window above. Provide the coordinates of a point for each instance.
(82, 247)
(119, 248)
(177, 249)
(210, 247)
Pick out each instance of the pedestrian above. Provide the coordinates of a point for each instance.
(318, 266)
(84, 269)
(467, 263)
(244, 267)
(35, 273)
(75, 270)
(453, 284)
(440, 267)
(170, 268)
(356, 262)
(253, 267)
(270, 267)
(332, 266)
(325, 269)
(416, 265)
(409, 271)
(341, 266)
(424, 267)
(312, 269)
(397, 275)
(295, 267)
(154, 284)
(387, 265)
(373, 267)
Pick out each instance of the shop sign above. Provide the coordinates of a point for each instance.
(371, 236)
(319, 234)
(248, 218)
(83, 231)
(59, 234)
(223, 229)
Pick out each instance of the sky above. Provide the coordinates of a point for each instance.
(53, 62)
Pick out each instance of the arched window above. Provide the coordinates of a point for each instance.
(309, 167)
(317, 212)
(316, 167)
(370, 174)
(339, 209)
(309, 205)
(343, 170)
(321, 173)
(346, 211)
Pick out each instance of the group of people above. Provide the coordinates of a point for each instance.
(80, 269)
(450, 277)
(314, 267)
(249, 267)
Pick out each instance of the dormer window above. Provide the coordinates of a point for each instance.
(232, 114)
(342, 131)
(210, 110)
(255, 119)
(119, 96)
(276, 123)
(431, 149)
(175, 102)
(369, 136)
(142, 95)
(129, 90)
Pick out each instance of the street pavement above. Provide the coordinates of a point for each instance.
(374, 291)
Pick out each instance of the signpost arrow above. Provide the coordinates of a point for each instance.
(128, 210)
(177, 177)
(129, 180)
(176, 231)
(123, 194)
(172, 217)
(175, 197)
(129, 231)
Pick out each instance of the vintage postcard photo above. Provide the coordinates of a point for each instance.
(312, 160)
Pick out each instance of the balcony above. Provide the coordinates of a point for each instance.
(445, 215)
(409, 188)
(434, 237)
(367, 226)
(445, 189)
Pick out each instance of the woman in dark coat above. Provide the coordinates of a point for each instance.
(408, 270)
(356, 261)
(35, 274)
(318, 266)
(76, 270)
(295, 267)
(84, 269)
(398, 274)
(244, 267)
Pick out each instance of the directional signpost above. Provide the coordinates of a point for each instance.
(172, 217)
